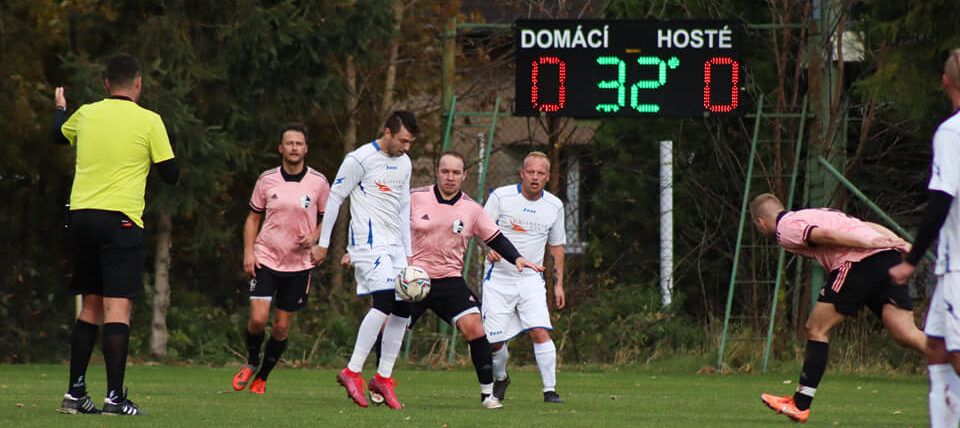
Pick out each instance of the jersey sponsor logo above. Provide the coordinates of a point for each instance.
(382, 187)
(305, 201)
(376, 262)
(458, 226)
(517, 227)
(425, 217)
(389, 167)
(528, 210)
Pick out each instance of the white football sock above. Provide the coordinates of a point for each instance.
(390, 345)
(546, 354)
(952, 397)
(937, 397)
(486, 388)
(500, 363)
(366, 338)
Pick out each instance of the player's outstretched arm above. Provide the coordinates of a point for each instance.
(839, 238)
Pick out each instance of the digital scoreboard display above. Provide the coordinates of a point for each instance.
(598, 68)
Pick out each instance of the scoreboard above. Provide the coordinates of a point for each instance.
(605, 68)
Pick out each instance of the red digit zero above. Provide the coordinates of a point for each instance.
(734, 87)
(535, 83)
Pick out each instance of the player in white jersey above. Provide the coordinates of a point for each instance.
(943, 215)
(514, 302)
(376, 178)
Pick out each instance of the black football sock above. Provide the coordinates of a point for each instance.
(482, 359)
(116, 339)
(271, 356)
(814, 364)
(81, 347)
(253, 348)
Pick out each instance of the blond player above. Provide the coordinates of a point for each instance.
(515, 302)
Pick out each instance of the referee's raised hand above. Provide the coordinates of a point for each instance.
(59, 99)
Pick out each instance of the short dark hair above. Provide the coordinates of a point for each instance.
(295, 126)
(453, 153)
(402, 119)
(122, 70)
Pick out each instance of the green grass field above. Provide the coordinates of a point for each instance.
(616, 397)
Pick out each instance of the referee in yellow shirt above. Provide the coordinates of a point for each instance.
(117, 141)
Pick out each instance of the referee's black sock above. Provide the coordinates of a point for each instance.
(81, 347)
(254, 341)
(116, 339)
(814, 364)
(482, 359)
(271, 356)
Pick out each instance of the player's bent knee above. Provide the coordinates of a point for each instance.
(472, 326)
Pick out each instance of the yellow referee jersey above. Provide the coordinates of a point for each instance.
(117, 142)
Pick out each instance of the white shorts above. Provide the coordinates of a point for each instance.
(512, 305)
(376, 269)
(943, 317)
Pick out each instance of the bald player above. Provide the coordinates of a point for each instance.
(857, 254)
(943, 215)
(442, 221)
(516, 302)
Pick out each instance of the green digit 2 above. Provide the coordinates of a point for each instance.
(651, 84)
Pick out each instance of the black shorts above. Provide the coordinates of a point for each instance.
(866, 282)
(291, 288)
(107, 254)
(448, 298)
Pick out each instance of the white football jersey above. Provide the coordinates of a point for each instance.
(945, 177)
(529, 225)
(379, 189)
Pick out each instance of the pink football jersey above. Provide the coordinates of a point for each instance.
(291, 209)
(793, 232)
(441, 230)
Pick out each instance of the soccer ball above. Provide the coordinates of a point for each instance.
(413, 284)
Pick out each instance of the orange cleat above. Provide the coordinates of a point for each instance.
(258, 386)
(242, 377)
(785, 406)
(384, 386)
(354, 385)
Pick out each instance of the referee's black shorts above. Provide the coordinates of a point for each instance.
(866, 283)
(107, 254)
(449, 298)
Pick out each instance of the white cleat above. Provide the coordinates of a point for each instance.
(492, 402)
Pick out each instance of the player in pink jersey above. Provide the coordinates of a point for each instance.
(290, 200)
(857, 254)
(442, 221)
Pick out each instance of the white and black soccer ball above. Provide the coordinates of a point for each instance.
(413, 284)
